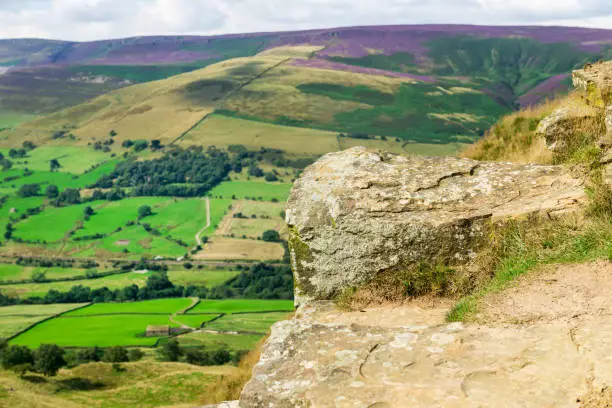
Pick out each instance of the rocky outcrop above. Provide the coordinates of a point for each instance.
(545, 344)
(359, 213)
(567, 125)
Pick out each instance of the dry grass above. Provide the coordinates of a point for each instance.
(295, 51)
(221, 131)
(241, 249)
(228, 388)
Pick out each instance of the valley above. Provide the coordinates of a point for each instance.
(143, 182)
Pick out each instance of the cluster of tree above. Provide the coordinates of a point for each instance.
(243, 157)
(271, 236)
(172, 351)
(46, 360)
(261, 281)
(140, 145)
(59, 263)
(193, 165)
(49, 358)
(18, 153)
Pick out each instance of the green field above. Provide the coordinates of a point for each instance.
(89, 331)
(53, 224)
(135, 240)
(207, 277)
(16, 318)
(113, 215)
(61, 180)
(117, 281)
(14, 207)
(181, 219)
(214, 341)
(194, 321)
(12, 272)
(73, 159)
(241, 305)
(252, 190)
(248, 322)
(166, 306)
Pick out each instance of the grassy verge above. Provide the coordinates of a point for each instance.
(524, 248)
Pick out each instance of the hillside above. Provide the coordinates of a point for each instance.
(491, 70)
(420, 89)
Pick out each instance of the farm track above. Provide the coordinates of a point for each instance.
(208, 222)
(220, 102)
(194, 303)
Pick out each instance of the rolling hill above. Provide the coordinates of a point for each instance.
(416, 88)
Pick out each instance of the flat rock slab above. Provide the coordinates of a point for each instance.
(358, 212)
(409, 357)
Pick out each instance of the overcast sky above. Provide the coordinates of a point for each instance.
(100, 19)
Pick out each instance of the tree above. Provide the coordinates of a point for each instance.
(115, 355)
(112, 133)
(271, 236)
(28, 145)
(38, 276)
(135, 355)
(18, 153)
(28, 190)
(140, 145)
(90, 354)
(220, 357)
(70, 196)
(48, 359)
(8, 234)
(144, 211)
(159, 281)
(271, 177)
(14, 356)
(52, 191)
(54, 165)
(155, 144)
(127, 144)
(171, 351)
(88, 211)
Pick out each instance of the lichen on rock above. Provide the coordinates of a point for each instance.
(359, 213)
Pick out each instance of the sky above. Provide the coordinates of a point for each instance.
(85, 20)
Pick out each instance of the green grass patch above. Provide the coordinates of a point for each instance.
(234, 342)
(241, 305)
(167, 306)
(526, 247)
(182, 219)
(194, 321)
(206, 277)
(250, 322)
(113, 215)
(53, 224)
(252, 190)
(90, 331)
(15, 273)
(13, 319)
(118, 281)
(74, 160)
(135, 240)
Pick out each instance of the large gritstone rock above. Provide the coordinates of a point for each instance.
(595, 81)
(546, 344)
(358, 213)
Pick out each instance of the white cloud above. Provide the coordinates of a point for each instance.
(94, 19)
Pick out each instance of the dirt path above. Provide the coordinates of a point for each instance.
(194, 301)
(208, 222)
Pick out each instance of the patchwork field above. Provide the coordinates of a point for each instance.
(124, 324)
(220, 249)
(241, 305)
(13, 319)
(16, 273)
(75, 160)
(252, 190)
